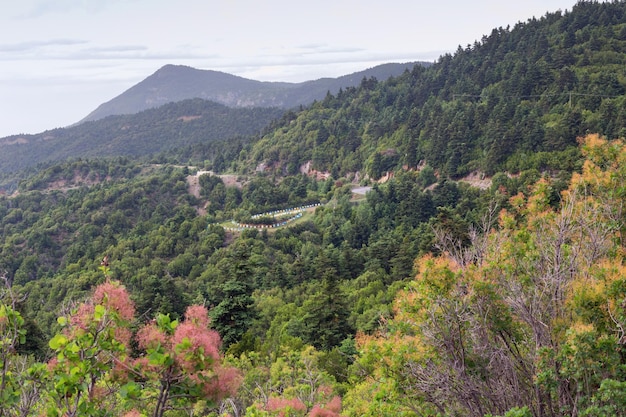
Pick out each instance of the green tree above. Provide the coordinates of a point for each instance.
(12, 334)
(293, 384)
(233, 313)
(527, 315)
(325, 316)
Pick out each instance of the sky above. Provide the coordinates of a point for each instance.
(60, 59)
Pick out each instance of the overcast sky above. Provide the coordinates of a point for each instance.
(60, 59)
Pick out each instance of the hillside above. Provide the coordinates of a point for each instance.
(515, 100)
(147, 133)
(426, 296)
(174, 83)
(160, 113)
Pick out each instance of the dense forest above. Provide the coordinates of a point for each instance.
(126, 293)
(515, 100)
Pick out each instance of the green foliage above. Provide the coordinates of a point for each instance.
(174, 125)
(325, 317)
(533, 88)
(232, 314)
(168, 256)
(12, 334)
(527, 316)
(522, 318)
(610, 400)
(292, 383)
(86, 351)
(516, 412)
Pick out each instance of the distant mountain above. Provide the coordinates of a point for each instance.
(146, 133)
(174, 83)
(174, 107)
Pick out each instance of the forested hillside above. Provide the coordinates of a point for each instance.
(147, 133)
(515, 100)
(175, 107)
(149, 287)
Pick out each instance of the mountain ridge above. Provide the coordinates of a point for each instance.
(172, 83)
(150, 131)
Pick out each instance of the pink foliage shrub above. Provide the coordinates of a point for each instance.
(114, 297)
(83, 316)
(144, 366)
(194, 348)
(121, 369)
(202, 339)
(197, 315)
(52, 363)
(150, 336)
(123, 335)
(111, 295)
(284, 405)
(332, 409)
(225, 382)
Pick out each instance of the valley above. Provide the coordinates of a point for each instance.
(447, 241)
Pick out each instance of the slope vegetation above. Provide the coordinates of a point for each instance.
(515, 100)
(147, 133)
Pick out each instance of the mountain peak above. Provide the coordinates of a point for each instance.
(172, 83)
(170, 70)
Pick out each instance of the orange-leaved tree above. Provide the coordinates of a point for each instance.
(535, 324)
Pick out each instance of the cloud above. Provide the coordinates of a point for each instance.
(80, 50)
(137, 53)
(323, 56)
(37, 45)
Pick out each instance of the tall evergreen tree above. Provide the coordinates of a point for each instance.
(232, 316)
